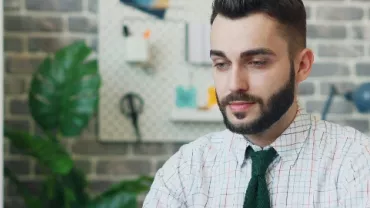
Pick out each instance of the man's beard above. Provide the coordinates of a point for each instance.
(276, 106)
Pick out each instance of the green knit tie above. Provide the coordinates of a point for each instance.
(257, 195)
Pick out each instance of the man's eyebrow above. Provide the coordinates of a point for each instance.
(217, 53)
(257, 51)
(252, 52)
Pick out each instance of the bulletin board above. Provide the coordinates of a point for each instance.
(160, 120)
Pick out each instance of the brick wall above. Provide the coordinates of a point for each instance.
(32, 29)
(337, 32)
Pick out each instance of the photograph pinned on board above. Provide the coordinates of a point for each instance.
(156, 8)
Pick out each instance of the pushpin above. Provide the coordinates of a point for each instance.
(126, 31)
(147, 34)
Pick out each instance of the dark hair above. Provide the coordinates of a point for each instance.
(291, 15)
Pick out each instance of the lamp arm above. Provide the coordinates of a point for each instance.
(328, 103)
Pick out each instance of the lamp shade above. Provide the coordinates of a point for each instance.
(360, 97)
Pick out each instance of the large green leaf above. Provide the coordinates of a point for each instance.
(123, 194)
(50, 154)
(30, 200)
(76, 184)
(66, 191)
(119, 200)
(64, 91)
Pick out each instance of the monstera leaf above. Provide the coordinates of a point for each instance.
(50, 154)
(64, 91)
(66, 191)
(123, 194)
(118, 200)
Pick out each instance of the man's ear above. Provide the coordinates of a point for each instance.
(305, 61)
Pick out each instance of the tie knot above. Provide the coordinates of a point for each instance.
(261, 160)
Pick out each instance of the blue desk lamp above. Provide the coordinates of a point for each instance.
(360, 97)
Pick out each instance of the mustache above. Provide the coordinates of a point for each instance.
(239, 96)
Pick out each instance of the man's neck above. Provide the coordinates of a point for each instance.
(269, 136)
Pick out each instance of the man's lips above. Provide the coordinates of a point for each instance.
(240, 105)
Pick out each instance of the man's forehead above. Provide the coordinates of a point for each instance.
(255, 20)
(238, 35)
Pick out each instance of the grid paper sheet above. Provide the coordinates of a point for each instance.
(157, 85)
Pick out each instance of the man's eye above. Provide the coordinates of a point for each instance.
(258, 63)
(221, 66)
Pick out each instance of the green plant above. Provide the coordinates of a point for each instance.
(63, 97)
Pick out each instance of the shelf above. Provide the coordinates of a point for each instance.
(194, 115)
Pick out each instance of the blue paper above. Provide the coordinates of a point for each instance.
(147, 6)
(186, 97)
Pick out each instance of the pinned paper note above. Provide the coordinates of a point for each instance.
(212, 99)
(156, 8)
(186, 97)
(198, 43)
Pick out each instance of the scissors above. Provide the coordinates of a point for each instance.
(131, 105)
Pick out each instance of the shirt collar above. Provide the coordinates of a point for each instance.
(287, 145)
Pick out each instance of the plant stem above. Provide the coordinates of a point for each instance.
(30, 200)
(53, 137)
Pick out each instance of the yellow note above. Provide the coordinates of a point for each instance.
(212, 100)
(161, 4)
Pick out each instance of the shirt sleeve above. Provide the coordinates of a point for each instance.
(167, 189)
(356, 180)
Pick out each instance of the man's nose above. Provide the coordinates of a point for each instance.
(238, 80)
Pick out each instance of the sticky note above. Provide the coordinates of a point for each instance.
(186, 97)
(212, 99)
